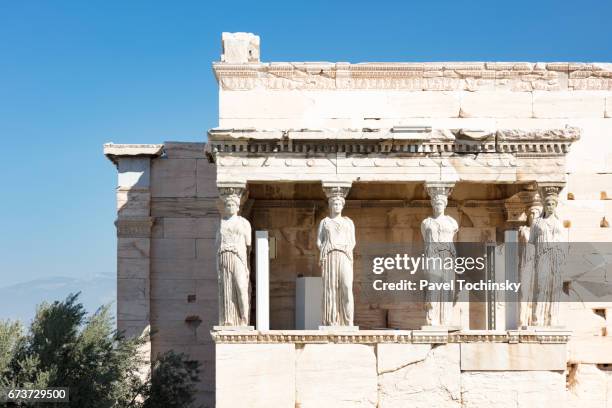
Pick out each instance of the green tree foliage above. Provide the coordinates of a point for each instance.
(102, 369)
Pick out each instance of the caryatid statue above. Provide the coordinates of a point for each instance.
(546, 235)
(336, 241)
(233, 242)
(438, 234)
(525, 265)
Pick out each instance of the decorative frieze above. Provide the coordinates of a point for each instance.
(417, 205)
(545, 337)
(435, 76)
(481, 336)
(310, 337)
(391, 141)
(430, 336)
(389, 336)
(554, 142)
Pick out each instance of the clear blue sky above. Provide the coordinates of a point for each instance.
(74, 75)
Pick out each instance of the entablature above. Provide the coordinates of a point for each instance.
(391, 141)
(398, 154)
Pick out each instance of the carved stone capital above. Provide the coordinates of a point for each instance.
(134, 227)
(231, 191)
(336, 188)
(228, 190)
(550, 189)
(519, 204)
(439, 188)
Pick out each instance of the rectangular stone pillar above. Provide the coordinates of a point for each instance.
(133, 249)
(512, 274)
(262, 268)
(308, 298)
(134, 223)
(496, 302)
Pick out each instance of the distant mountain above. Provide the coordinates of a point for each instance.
(19, 301)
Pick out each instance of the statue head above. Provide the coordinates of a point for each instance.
(336, 205)
(229, 200)
(335, 198)
(438, 204)
(231, 205)
(534, 212)
(550, 204)
(438, 194)
(549, 196)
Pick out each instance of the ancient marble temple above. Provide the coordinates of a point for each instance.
(244, 250)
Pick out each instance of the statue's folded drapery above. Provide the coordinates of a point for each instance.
(337, 240)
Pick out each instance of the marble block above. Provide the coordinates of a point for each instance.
(336, 375)
(514, 389)
(432, 381)
(513, 357)
(255, 375)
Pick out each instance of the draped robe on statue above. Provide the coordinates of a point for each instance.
(438, 234)
(525, 250)
(233, 238)
(337, 238)
(546, 235)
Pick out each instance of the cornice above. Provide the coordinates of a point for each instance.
(114, 151)
(397, 140)
(416, 76)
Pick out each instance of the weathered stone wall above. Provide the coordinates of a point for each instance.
(183, 276)
(396, 375)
